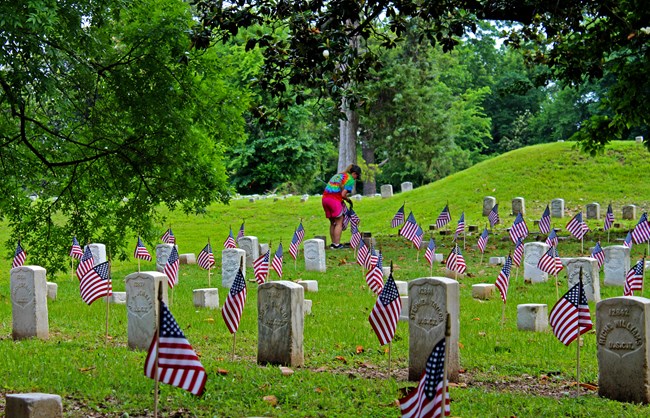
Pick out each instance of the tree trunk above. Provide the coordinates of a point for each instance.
(369, 183)
(348, 137)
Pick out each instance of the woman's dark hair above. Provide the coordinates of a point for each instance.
(353, 168)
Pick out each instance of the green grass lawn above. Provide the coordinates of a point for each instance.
(505, 372)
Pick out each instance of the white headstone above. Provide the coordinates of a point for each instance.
(590, 276)
(52, 290)
(29, 303)
(386, 190)
(206, 298)
(142, 306)
(518, 206)
(309, 285)
(407, 186)
(404, 314)
(617, 264)
(488, 204)
(557, 208)
(280, 323)
(315, 255)
(99, 252)
(532, 317)
(163, 251)
(483, 291)
(629, 212)
(33, 405)
(430, 300)
(306, 306)
(231, 259)
(251, 245)
(593, 210)
(533, 251)
(623, 343)
(402, 289)
(188, 258)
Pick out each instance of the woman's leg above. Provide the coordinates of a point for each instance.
(336, 228)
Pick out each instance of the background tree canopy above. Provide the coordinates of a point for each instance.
(110, 109)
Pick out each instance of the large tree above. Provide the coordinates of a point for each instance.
(106, 113)
(578, 40)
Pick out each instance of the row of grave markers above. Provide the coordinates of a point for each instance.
(622, 325)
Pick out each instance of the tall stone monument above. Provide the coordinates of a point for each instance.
(99, 252)
(590, 276)
(617, 264)
(142, 306)
(163, 251)
(533, 251)
(231, 259)
(315, 255)
(29, 303)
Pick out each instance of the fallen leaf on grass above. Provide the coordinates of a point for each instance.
(318, 390)
(86, 369)
(286, 371)
(476, 319)
(588, 386)
(341, 358)
(270, 399)
(222, 371)
(209, 320)
(359, 349)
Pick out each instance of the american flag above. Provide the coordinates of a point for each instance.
(355, 238)
(385, 314)
(503, 279)
(241, 232)
(627, 242)
(296, 240)
(570, 315)
(372, 258)
(641, 232)
(493, 216)
(350, 217)
(550, 262)
(234, 304)
(398, 219)
(425, 401)
(177, 364)
(375, 276)
(577, 227)
(460, 228)
(609, 218)
(86, 263)
(410, 228)
(19, 256)
(430, 253)
(96, 283)
(598, 254)
(206, 257)
(545, 221)
(261, 267)
(75, 249)
(518, 229)
(417, 239)
(141, 251)
(276, 264)
(171, 268)
(168, 237)
(230, 241)
(362, 253)
(443, 218)
(552, 240)
(455, 261)
(518, 253)
(482, 240)
(634, 279)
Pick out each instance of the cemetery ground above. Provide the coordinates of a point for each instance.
(504, 371)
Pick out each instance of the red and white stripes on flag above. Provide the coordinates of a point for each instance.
(86, 263)
(609, 218)
(426, 400)
(545, 221)
(482, 240)
(19, 256)
(141, 252)
(518, 229)
(398, 219)
(641, 232)
(230, 241)
(444, 218)
(460, 227)
(234, 304)
(430, 253)
(261, 267)
(550, 262)
(385, 314)
(362, 253)
(518, 253)
(577, 227)
(493, 216)
(375, 276)
(206, 257)
(171, 268)
(355, 237)
(75, 249)
(278, 257)
(456, 261)
(96, 283)
(410, 228)
(598, 254)
(168, 237)
(296, 240)
(176, 361)
(634, 279)
(570, 317)
(503, 279)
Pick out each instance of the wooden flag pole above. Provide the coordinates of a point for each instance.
(234, 339)
(582, 245)
(389, 351)
(481, 262)
(107, 304)
(138, 265)
(503, 315)
(443, 404)
(578, 344)
(608, 235)
(643, 273)
(209, 275)
(72, 267)
(157, 336)
(557, 288)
